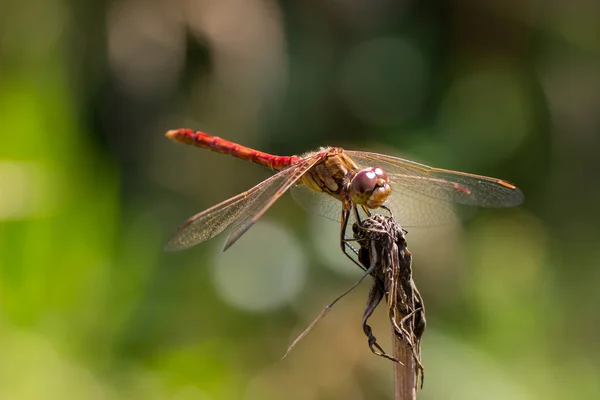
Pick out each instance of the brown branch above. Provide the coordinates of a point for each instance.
(404, 375)
(383, 250)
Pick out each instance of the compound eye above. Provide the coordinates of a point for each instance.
(364, 182)
(381, 174)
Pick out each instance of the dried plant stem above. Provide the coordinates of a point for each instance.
(404, 375)
(383, 250)
(385, 257)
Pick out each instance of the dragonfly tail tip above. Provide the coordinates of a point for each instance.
(172, 134)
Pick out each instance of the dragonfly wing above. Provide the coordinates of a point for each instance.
(243, 207)
(318, 203)
(266, 197)
(450, 186)
(412, 209)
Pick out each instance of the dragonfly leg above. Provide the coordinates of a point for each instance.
(365, 210)
(369, 215)
(344, 241)
(358, 226)
(387, 209)
(357, 215)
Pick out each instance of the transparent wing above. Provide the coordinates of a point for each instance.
(241, 211)
(410, 208)
(319, 203)
(412, 179)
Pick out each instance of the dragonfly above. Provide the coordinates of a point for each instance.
(341, 185)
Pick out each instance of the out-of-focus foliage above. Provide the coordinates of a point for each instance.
(91, 307)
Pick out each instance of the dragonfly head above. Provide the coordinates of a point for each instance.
(370, 187)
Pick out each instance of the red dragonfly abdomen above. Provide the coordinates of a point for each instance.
(214, 143)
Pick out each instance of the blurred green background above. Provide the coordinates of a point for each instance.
(90, 190)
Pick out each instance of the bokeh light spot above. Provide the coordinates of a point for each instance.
(262, 271)
(486, 115)
(26, 190)
(326, 243)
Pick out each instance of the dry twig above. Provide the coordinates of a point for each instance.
(383, 251)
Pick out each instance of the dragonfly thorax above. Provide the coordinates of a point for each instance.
(331, 173)
(369, 187)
